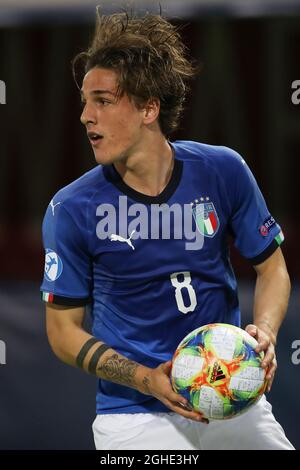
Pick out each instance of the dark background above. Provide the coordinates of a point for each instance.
(241, 99)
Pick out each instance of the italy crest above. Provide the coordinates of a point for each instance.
(206, 218)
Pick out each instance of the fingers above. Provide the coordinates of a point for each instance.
(187, 411)
(161, 385)
(166, 367)
(269, 356)
(173, 400)
(174, 397)
(269, 362)
(263, 340)
(270, 383)
(271, 371)
(265, 344)
(271, 374)
(180, 405)
(251, 329)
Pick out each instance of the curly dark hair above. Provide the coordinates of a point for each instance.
(149, 57)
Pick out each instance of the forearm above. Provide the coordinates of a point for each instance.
(76, 347)
(116, 368)
(271, 300)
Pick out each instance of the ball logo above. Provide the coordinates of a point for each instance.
(53, 265)
(216, 373)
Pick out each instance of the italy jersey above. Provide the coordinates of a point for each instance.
(154, 268)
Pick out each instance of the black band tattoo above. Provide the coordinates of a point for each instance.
(95, 358)
(84, 350)
(119, 370)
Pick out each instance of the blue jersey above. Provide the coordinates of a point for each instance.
(149, 288)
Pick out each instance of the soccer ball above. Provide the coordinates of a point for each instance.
(216, 368)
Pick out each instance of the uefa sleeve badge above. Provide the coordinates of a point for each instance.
(53, 265)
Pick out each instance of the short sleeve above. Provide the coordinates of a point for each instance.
(256, 233)
(68, 268)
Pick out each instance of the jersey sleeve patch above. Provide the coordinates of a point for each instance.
(68, 262)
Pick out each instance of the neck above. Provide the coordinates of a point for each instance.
(149, 170)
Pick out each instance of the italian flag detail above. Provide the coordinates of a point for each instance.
(210, 224)
(47, 297)
(279, 238)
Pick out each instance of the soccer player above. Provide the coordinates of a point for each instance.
(149, 282)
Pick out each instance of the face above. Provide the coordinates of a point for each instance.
(114, 125)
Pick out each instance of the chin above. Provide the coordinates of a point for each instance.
(104, 159)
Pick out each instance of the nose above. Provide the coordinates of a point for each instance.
(88, 115)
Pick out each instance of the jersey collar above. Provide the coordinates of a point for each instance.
(114, 177)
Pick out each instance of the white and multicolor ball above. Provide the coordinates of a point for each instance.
(217, 369)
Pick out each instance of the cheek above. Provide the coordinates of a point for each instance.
(128, 128)
(129, 119)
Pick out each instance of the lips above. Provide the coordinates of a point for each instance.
(94, 137)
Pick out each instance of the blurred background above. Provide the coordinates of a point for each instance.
(250, 56)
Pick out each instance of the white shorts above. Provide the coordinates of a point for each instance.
(256, 430)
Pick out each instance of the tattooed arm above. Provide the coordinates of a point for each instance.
(73, 345)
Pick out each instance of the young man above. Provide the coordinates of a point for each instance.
(150, 284)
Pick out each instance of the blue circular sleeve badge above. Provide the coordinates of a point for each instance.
(53, 265)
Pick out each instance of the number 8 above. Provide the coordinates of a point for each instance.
(178, 294)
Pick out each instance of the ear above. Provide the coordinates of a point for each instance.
(151, 110)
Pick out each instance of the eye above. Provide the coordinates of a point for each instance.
(103, 101)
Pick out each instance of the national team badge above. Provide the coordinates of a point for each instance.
(206, 217)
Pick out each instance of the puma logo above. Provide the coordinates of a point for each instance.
(117, 238)
(53, 206)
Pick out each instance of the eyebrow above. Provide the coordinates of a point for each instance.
(98, 92)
